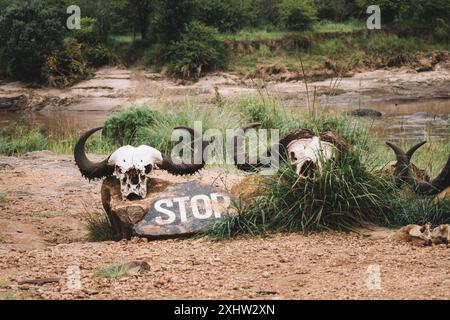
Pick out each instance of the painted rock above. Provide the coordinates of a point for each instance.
(168, 210)
(184, 209)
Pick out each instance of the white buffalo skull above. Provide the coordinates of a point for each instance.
(133, 166)
(310, 153)
(305, 150)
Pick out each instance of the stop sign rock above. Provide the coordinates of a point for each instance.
(184, 209)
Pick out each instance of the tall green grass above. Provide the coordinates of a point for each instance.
(20, 137)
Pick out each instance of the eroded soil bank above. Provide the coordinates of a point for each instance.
(42, 232)
(113, 89)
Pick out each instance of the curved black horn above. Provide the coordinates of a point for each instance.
(184, 168)
(403, 171)
(402, 168)
(90, 170)
(238, 148)
(442, 181)
(296, 134)
(414, 148)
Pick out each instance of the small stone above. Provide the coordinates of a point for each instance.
(265, 274)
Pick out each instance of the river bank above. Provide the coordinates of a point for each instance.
(113, 89)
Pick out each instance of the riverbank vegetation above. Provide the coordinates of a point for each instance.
(189, 38)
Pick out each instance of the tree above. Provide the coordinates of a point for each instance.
(337, 10)
(108, 13)
(173, 16)
(141, 10)
(226, 16)
(266, 12)
(29, 31)
(297, 15)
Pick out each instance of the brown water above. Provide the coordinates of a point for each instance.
(414, 120)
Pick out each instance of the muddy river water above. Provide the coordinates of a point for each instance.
(415, 120)
(414, 105)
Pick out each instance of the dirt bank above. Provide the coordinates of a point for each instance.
(42, 234)
(112, 89)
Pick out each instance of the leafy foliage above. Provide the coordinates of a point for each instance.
(198, 50)
(63, 67)
(88, 33)
(297, 15)
(173, 16)
(226, 16)
(122, 128)
(29, 31)
(18, 139)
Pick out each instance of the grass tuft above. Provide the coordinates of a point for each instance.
(112, 272)
(3, 198)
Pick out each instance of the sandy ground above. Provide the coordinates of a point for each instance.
(113, 89)
(42, 235)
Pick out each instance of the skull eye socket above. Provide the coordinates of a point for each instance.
(292, 156)
(148, 169)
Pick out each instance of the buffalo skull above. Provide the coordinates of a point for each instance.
(132, 166)
(305, 151)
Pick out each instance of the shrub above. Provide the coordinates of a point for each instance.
(173, 16)
(88, 33)
(297, 15)
(266, 112)
(122, 128)
(198, 50)
(441, 30)
(99, 228)
(410, 208)
(226, 16)
(387, 44)
(29, 31)
(337, 10)
(19, 139)
(98, 55)
(65, 66)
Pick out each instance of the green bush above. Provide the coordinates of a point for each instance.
(98, 55)
(441, 30)
(383, 44)
(29, 31)
(88, 33)
(122, 128)
(65, 66)
(19, 139)
(173, 15)
(298, 15)
(229, 15)
(337, 10)
(199, 50)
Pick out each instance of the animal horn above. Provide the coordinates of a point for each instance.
(90, 170)
(403, 171)
(239, 149)
(402, 168)
(414, 148)
(184, 168)
(296, 134)
(442, 181)
(299, 133)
